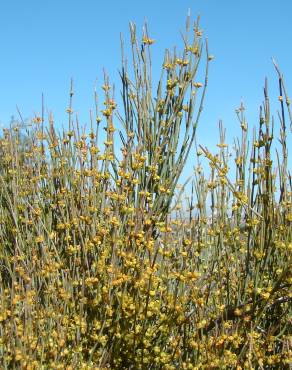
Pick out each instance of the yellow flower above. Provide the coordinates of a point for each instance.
(39, 239)
(202, 324)
(265, 295)
(238, 312)
(147, 41)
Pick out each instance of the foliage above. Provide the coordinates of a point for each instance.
(100, 265)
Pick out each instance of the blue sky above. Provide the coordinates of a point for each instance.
(45, 43)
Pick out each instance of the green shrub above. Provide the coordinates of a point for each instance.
(99, 265)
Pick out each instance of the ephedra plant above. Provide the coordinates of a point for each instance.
(101, 267)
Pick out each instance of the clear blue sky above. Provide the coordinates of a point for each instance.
(45, 43)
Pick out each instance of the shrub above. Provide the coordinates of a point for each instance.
(100, 265)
